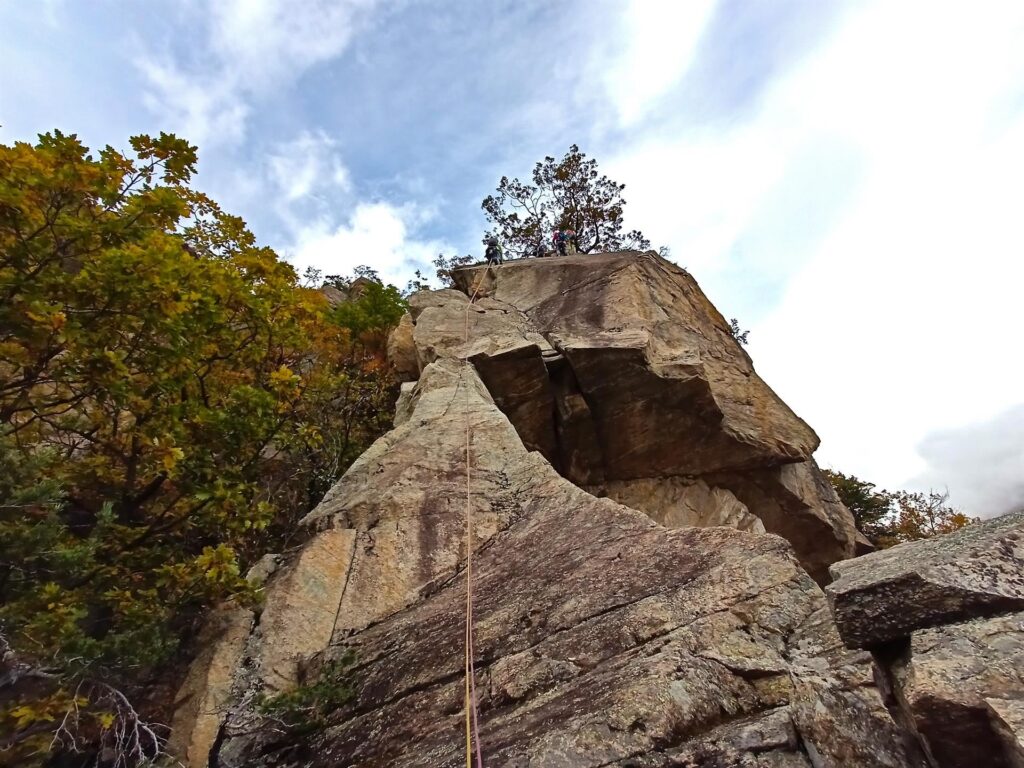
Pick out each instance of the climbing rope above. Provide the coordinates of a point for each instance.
(472, 716)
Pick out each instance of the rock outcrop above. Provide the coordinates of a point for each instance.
(640, 643)
(945, 618)
(626, 472)
(976, 571)
(649, 388)
(958, 683)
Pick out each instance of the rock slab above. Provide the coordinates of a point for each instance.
(963, 685)
(976, 571)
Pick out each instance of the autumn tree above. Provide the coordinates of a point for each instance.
(565, 194)
(889, 518)
(171, 399)
(922, 515)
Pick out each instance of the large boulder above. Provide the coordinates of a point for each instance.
(944, 618)
(652, 396)
(671, 391)
(976, 571)
(963, 686)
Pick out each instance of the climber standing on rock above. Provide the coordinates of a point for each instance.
(538, 251)
(571, 243)
(493, 254)
(559, 240)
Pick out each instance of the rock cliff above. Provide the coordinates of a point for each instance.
(649, 535)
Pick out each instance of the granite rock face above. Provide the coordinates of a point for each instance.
(647, 526)
(651, 393)
(402, 350)
(671, 391)
(945, 618)
(602, 638)
(1007, 717)
(976, 571)
(677, 502)
(963, 684)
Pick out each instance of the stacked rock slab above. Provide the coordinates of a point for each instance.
(945, 617)
(602, 637)
(652, 393)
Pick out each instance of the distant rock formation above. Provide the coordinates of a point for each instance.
(631, 605)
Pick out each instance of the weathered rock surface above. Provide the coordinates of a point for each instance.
(670, 389)
(958, 682)
(302, 607)
(601, 637)
(677, 502)
(404, 498)
(665, 630)
(797, 502)
(976, 571)
(205, 697)
(401, 350)
(1007, 716)
(650, 391)
(207, 693)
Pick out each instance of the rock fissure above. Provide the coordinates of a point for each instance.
(884, 657)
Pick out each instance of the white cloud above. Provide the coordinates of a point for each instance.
(379, 235)
(306, 165)
(204, 109)
(659, 43)
(981, 464)
(905, 314)
(899, 317)
(241, 51)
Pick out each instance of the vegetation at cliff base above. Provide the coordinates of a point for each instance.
(172, 400)
(888, 518)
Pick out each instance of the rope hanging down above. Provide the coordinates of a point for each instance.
(472, 727)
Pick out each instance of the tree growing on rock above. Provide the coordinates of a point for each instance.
(890, 518)
(565, 194)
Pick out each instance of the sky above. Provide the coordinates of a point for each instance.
(844, 178)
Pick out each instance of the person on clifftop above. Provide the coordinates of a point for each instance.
(493, 254)
(560, 241)
(572, 245)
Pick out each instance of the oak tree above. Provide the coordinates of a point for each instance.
(892, 517)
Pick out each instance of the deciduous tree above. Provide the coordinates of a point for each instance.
(889, 518)
(565, 194)
(171, 399)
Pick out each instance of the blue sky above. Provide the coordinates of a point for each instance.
(846, 178)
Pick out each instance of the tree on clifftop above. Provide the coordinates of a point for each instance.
(565, 194)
